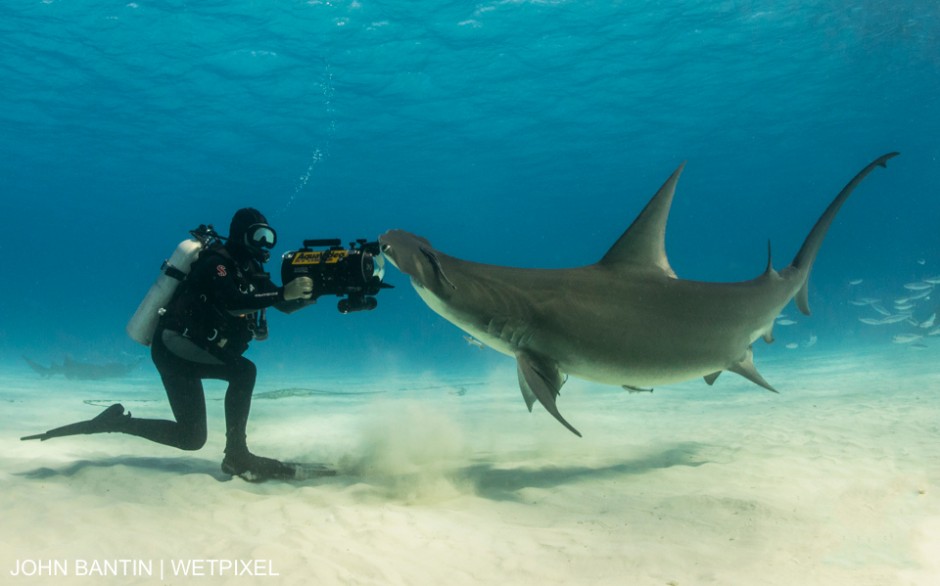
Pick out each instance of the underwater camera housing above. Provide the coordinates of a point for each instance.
(354, 273)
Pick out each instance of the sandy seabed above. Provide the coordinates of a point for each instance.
(448, 480)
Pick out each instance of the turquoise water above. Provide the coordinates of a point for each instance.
(517, 132)
(526, 133)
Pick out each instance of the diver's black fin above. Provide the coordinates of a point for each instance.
(252, 468)
(308, 471)
(111, 419)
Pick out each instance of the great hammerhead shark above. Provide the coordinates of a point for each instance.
(626, 320)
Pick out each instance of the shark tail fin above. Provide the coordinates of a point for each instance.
(803, 261)
(43, 371)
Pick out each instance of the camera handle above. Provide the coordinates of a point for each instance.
(331, 242)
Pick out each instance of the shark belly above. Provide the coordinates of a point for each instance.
(592, 337)
(671, 331)
(642, 360)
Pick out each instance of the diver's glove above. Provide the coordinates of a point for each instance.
(299, 288)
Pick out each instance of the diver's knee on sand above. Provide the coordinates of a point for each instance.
(192, 442)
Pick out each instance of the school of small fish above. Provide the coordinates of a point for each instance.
(913, 310)
(784, 320)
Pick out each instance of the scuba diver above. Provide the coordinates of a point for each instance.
(216, 310)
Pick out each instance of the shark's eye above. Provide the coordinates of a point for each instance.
(386, 247)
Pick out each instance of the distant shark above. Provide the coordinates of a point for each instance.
(626, 320)
(73, 370)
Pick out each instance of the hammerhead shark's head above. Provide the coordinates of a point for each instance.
(626, 320)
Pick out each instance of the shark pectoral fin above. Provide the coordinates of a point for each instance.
(711, 378)
(745, 367)
(540, 379)
(527, 393)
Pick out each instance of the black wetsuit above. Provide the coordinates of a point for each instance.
(214, 314)
(206, 329)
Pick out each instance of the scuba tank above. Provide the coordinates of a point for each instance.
(143, 323)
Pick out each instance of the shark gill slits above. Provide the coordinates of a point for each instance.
(438, 269)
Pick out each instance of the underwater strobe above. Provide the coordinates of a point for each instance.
(354, 273)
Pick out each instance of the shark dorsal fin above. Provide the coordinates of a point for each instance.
(643, 245)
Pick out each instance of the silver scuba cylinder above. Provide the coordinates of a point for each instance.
(143, 323)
